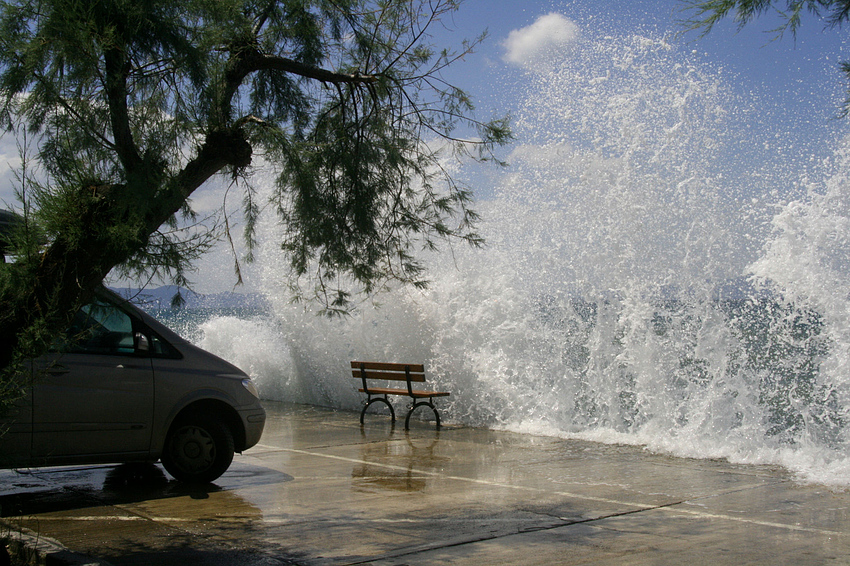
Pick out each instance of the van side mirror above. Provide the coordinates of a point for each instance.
(143, 345)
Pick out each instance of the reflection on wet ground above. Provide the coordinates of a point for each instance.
(398, 466)
(321, 489)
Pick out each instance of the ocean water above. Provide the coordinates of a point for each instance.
(655, 275)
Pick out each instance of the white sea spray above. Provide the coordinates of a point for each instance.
(651, 277)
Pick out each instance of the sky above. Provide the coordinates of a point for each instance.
(794, 82)
(794, 79)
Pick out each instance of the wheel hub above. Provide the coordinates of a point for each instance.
(195, 449)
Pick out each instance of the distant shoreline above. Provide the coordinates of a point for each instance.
(163, 297)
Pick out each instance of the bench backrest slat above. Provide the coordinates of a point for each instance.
(389, 371)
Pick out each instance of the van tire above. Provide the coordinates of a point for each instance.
(198, 449)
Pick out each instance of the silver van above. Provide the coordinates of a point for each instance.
(125, 388)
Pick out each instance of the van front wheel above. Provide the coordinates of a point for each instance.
(198, 449)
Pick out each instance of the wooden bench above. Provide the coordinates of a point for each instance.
(410, 373)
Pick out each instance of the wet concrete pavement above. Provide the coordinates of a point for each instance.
(321, 490)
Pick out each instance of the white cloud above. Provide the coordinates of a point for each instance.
(550, 34)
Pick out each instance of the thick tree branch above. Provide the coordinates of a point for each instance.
(248, 60)
(119, 115)
(274, 63)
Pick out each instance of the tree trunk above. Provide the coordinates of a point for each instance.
(109, 225)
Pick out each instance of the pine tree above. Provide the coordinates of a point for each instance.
(138, 103)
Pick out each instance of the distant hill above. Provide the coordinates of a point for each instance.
(161, 298)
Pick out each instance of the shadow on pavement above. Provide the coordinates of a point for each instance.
(51, 490)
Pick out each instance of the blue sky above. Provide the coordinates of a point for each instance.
(796, 80)
(751, 53)
(794, 84)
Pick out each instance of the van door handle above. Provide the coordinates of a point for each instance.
(57, 370)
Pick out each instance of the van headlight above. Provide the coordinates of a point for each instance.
(249, 385)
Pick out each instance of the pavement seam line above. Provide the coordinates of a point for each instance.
(639, 506)
(761, 523)
(563, 523)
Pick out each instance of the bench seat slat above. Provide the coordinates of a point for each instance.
(386, 391)
(389, 375)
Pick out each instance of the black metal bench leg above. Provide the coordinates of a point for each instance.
(383, 400)
(421, 404)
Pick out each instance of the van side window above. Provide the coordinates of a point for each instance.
(100, 328)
